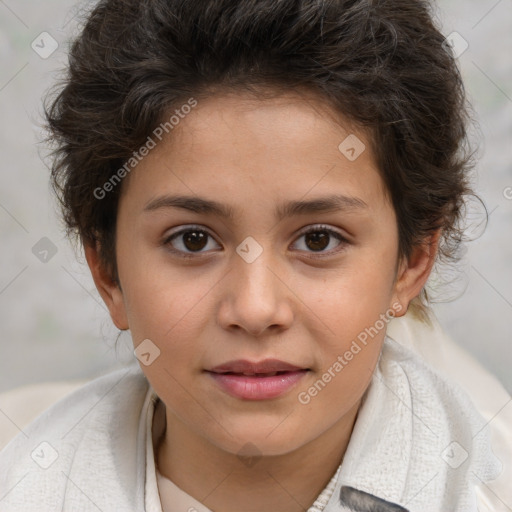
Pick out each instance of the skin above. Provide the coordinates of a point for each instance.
(292, 303)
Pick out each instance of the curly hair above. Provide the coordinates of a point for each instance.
(383, 64)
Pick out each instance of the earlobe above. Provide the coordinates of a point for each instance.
(108, 289)
(414, 273)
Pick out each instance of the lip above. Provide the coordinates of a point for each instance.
(251, 380)
(248, 367)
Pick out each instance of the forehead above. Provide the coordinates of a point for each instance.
(291, 144)
(295, 120)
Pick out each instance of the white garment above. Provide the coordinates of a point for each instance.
(412, 437)
(491, 399)
(94, 444)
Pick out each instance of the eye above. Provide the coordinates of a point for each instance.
(195, 239)
(187, 241)
(318, 238)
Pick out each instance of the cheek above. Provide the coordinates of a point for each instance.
(161, 297)
(353, 306)
(353, 297)
(355, 313)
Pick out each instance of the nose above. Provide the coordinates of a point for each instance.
(255, 297)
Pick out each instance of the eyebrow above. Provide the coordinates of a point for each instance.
(332, 203)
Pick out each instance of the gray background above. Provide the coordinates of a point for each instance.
(53, 325)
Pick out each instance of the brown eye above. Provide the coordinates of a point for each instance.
(195, 240)
(319, 238)
(317, 241)
(190, 240)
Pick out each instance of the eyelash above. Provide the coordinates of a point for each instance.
(313, 229)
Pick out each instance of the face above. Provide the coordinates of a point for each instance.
(285, 249)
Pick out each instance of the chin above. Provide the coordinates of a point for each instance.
(254, 442)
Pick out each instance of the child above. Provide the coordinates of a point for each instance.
(260, 188)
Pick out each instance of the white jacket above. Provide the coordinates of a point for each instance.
(417, 442)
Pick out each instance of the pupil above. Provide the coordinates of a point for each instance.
(195, 240)
(319, 240)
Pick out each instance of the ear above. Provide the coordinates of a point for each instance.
(108, 289)
(413, 274)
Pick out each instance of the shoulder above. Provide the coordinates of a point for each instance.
(457, 373)
(79, 433)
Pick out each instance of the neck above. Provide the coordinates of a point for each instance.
(224, 482)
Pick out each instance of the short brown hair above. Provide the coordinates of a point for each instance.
(383, 65)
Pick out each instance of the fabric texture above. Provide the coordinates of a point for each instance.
(418, 442)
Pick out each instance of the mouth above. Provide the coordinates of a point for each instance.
(248, 374)
(267, 367)
(262, 380)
